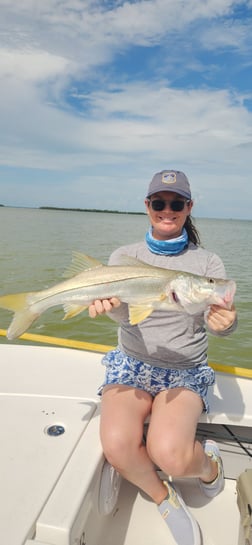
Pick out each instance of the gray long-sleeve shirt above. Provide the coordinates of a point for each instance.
(168, 339)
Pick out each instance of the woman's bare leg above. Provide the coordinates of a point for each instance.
(123, 414)
(171, 436)
(171, 441)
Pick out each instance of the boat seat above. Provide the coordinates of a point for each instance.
(230, 401)
(244, 501)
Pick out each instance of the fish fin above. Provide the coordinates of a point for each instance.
(14, 301)
(73, 310)
(133, 262)
(21, 322)
(138, 313)
(23, 317)
(81, 262)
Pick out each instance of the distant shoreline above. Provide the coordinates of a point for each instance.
(74, 209)
(105, 211)
(88, 210)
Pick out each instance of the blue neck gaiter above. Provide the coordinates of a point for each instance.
(166, 247)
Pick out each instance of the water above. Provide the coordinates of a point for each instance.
(36, 247)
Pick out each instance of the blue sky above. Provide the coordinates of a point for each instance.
(98, 95)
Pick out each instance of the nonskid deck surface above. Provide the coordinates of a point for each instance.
(136, 520)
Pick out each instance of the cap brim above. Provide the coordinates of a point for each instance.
(170, 190)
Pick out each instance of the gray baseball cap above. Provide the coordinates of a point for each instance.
(170, 180)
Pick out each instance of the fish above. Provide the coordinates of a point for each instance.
(145, 288)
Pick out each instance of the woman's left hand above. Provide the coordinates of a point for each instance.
(220, 318)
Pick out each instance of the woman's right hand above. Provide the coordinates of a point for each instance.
(101, 306)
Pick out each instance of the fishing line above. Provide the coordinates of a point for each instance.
(237, 440)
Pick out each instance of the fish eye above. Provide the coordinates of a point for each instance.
(211, 280)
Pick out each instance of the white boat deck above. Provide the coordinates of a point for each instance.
(50, 484)
(137, 521)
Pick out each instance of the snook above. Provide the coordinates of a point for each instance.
(145, 288)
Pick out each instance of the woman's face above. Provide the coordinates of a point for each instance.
(167, 223)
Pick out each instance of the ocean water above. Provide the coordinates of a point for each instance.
(36, 247)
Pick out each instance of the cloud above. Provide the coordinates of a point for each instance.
(231, 34)
(90, 89)
(31, 65)
(137, 118)
(89, 32)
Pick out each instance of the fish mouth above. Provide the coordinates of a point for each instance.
(226, 300)
(229, 296)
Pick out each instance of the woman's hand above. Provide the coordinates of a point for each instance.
(219, 319)
(101, 306)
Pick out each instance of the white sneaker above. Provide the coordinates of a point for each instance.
(178, 518)
(215, 487)
(110, 483)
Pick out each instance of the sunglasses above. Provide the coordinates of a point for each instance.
(176, 206)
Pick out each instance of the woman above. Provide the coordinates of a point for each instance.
(160, 367)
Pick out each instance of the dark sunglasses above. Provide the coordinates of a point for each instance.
(176, 206)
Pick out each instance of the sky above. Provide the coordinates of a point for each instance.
(96, 96)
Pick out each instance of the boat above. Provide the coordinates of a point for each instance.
(57, 488)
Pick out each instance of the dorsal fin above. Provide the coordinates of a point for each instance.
(81, 262)
(133, 262)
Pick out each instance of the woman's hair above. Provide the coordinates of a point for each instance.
(192, 232)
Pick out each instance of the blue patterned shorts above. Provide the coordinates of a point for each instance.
(126, 370)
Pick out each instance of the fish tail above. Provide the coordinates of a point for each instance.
(14, 302)
(23, 317)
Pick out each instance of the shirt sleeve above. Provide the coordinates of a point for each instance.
(215, 267)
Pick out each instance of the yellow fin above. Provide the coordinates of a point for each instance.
(23, 317)
(73, 310)
(81, 262)
(14, 301)
(138, 313)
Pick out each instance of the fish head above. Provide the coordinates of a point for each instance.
(195, 293)
(223, 292)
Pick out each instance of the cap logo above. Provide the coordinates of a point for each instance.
(169, 177)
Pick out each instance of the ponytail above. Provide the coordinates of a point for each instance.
(192, 232)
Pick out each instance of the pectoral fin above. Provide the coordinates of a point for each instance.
(138, 313)
(73, 310)
(141, 311)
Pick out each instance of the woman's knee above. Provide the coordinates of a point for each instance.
(172, 458)
(119, 448)
(112, 440)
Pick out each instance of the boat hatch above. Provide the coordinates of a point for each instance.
(40, 435)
